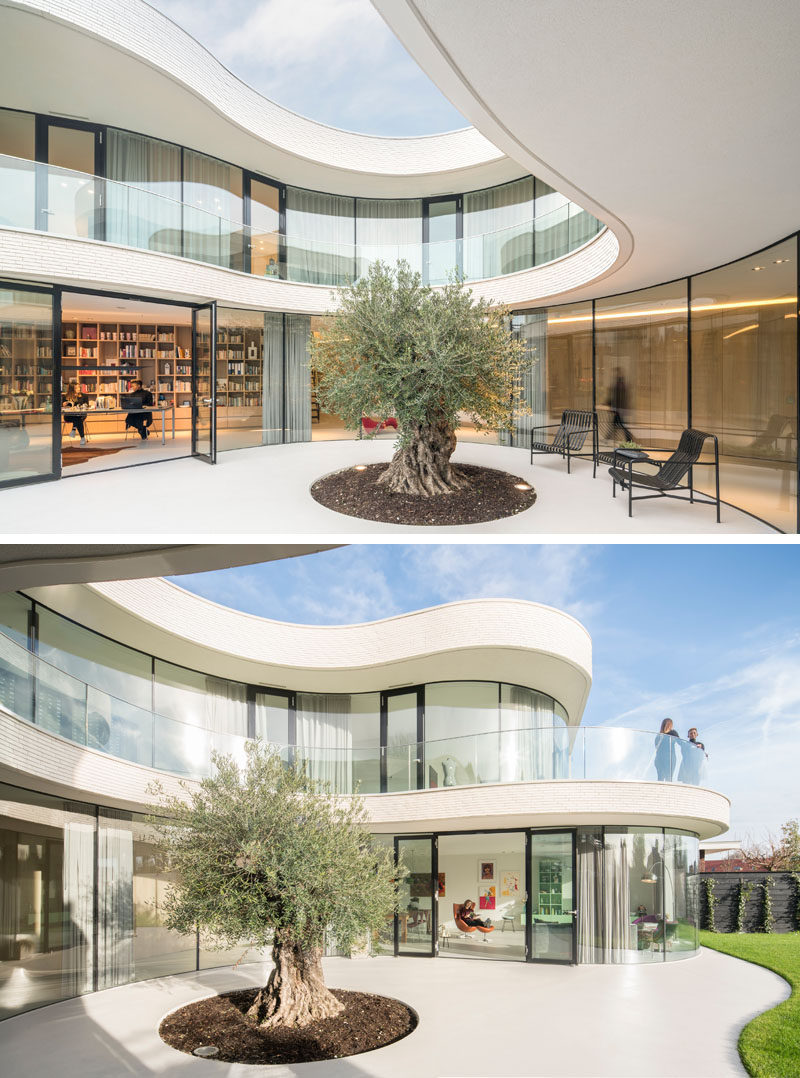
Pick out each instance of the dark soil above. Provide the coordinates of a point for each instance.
(367, 1022)
(491, 495)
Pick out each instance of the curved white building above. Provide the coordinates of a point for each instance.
(460, 725)
(181, 229)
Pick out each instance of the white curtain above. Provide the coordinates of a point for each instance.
(498, 229)
(78, 905)
(298, 378)
(212, 191)
(115, 929)
(143, 209)
(590, 892)
(529, 743)
(319, 237)
(324, 739)
(616, 901)
(272, 400)
(388, 230)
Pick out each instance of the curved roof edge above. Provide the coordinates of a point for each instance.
(167, 84)
(507, 640)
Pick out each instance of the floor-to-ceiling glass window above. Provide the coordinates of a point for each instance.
(298, 378)
(744, 380)
(143, 204)
(214, 211)
(489, 870)
(552, 896)
(551, 224)
(263, 233)
(638, 894)
(70, 198)
(414, 925)
(249, 378)
(442, 230)
(498, 229)
(641, 342)
(26, 384)
(388, 230)
(17, 170)
(46, 899)
(320, 237)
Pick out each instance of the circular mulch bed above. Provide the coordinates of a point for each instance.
(490, 496)
(367, 1022)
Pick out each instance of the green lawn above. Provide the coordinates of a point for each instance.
(770, 1044)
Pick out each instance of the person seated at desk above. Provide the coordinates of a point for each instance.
(77, 419)
(139, 397)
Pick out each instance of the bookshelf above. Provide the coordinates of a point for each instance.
(240, 376)
(550, 894)
(26, 366)
(103, 358)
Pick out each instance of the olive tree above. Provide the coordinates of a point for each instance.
(397, 347)
(265, 854)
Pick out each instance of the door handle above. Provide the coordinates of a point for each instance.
(50, 213)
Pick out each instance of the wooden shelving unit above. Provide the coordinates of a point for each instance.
(26, 366)
(103, 358)
(240, 376)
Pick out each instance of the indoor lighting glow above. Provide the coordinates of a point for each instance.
(700, 307)
(736, 331)
(757, 268)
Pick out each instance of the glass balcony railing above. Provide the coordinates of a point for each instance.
(47, 198)
(37, 692)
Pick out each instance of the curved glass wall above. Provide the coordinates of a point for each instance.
(104, 695)
(638, 890)
(157, 196)
(717, 351)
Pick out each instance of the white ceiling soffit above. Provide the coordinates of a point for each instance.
(674, 123)
(37, 565)
(485, 640)
(127, 65)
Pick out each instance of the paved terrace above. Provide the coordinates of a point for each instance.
(674, 1019)
(266, 491)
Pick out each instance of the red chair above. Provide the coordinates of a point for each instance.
(462, 926)
(374, 426)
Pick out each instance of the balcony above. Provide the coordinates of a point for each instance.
(36, 692)
(45, 198)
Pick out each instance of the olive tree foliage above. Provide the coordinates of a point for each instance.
(396, 347)
(265, 854)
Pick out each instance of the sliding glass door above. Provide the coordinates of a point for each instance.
(204, 384)
(551, 890)
(402, 763)
(442, 232)
(264, 216)
(415, 928)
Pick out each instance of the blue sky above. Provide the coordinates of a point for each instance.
(709, 635)
(334, 61)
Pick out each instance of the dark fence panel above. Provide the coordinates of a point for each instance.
(784, 892)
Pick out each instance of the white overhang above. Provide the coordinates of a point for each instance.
(673, 123)
(129, 66)
(486, 640)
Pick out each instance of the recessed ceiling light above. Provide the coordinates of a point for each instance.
(757, 268)
(780, 261)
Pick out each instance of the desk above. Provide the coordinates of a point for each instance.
(86, 413)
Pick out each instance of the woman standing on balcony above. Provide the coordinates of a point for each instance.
(665, 755)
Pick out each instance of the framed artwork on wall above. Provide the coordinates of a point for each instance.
(486, 870)
(441, 885)
(509, 883)
(487, 897)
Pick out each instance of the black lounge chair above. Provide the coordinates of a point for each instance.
(670, 472)
(570, 437)
(610, 432)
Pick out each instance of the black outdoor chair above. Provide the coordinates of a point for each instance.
(610, 431)
(569, 438)
(670, 472)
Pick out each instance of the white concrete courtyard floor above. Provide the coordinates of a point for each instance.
(265, 491)
(476, 1019)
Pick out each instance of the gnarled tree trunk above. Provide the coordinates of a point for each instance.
(423, 465)
(295, 994)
